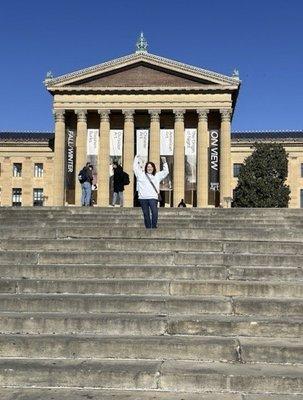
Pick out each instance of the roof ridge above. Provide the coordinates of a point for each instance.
(267, 130)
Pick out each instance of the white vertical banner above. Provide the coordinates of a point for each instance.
(190, 150)
(115, 142)
(190, 142)
(92, 142)
(166, 142)
(142, 142)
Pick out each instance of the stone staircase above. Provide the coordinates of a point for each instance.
(93, 306)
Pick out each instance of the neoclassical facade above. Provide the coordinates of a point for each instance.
(146, 105)
(167, 102)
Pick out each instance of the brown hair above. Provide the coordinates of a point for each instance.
(153, 165)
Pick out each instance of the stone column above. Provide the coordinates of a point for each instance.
(154, 147)
(81, 146)
(59, 159)
(225, 158)
(103, 159)
(202, 161)
(128, 156)
(179, 161)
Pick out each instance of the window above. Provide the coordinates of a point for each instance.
(38, 197)
(301, 170)
(38, 170)
(237, 168)
(17, 197)
(301, 198)
(17, 170)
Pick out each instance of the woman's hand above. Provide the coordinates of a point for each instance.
(163, 159)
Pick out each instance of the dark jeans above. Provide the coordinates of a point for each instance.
(150, 205)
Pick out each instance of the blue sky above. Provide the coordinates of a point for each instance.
(263, 39)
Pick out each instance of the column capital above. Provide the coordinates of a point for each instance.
(81, 115)
(154, 115)
(104, 115)
(203, 114)
(128, 115)
(59, 115)
(225, 114)
(179, 115)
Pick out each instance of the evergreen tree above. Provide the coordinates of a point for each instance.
(261, 181)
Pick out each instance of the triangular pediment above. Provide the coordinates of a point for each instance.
(141, 75)
(141, 70)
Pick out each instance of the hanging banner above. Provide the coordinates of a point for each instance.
(70, 158)
(142, 142)
(190, 144)
(92, 142)
(70, 164)
(115, 142)
(92, 156)
(214, 160)
(166, 142)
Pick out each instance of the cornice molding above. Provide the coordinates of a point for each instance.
(120, 89)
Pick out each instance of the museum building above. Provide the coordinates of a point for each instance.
(146, 105)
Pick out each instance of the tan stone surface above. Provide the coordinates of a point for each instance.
(128, 156)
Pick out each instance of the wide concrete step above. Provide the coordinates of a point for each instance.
(110, 257)
(123, 304)
(113, 394)
(247, 247)
(135, 347)
(114, 244)
(168, 305)
(226, 349)
(144, 374)
(148, 258)
(100, 271)
(271, 326)
(116, 324)
(135, 271)
(137, 223)
(279, 274)
(242, 233)
(154, 287)
(280, 350)
(164, 219)
(93, 324)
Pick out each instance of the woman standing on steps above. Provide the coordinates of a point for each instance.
(148, 184)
